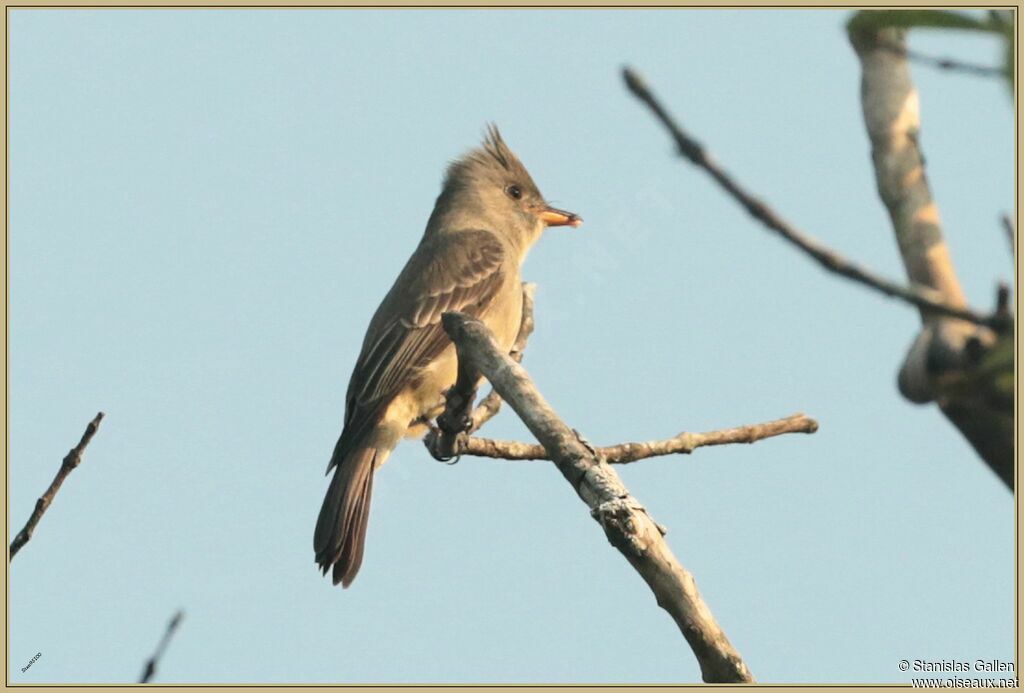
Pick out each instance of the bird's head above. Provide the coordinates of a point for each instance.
(491, 188)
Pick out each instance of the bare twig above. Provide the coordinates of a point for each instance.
(489, 447)
(1011, 232)
(485, 411)
(949, 64)
(625, 522)
(1003, 298)
(685, 443)
(70, 462)
(624, 453)
(923, 297)
(953, 65)
(150, 669)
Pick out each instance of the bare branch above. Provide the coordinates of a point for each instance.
(624, 453)
(491, 404)
(485, 411)
(500, 449)
(172, 626)
(70, 462)
(685, 443)
(921, 296)
(948, 64)
(953, 65)
(1011, 232)
(457, 418)
(448, 440)
(945, 349)
(626, 523)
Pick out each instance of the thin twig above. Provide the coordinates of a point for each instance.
(955, 65)
(920, 296)
(489, 447)
(1003, 298)
(685, 443)
(626, 523)
(1011, 232)
(624, 453)
(150, 669)
(943, 63)
(70, 462)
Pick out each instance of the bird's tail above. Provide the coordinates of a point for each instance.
(341, 528)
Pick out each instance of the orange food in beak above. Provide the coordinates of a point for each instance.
(557, 217)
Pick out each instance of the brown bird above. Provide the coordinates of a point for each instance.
(485, 220)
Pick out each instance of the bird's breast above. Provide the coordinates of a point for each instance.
(423, 399)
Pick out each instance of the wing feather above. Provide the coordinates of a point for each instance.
(452, 272)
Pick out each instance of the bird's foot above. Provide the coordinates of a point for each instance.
(457, 416)
(453, 424)
(445, 447)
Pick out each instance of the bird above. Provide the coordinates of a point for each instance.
(486, 218)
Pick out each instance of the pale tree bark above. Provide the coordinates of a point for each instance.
(625, 521)
(624, 453)
(963, 358)
(947, 353)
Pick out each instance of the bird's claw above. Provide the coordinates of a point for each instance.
(445, 447)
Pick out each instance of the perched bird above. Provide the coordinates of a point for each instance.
(487, 217)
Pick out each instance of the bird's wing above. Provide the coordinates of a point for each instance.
(451, 272)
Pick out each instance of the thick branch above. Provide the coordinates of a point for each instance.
(70, 462)
(491, 404)
(456, 420)
(151, 663)
(946, 349)
(624, 453)
(626, 523)
(922, 296)
(442, 444)
(892, 116)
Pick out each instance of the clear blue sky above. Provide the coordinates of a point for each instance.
(205, 209)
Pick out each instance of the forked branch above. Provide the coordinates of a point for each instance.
(624, 453)
(947, 362)
(625, 522)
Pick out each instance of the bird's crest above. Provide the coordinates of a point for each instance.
(492, 151)
(495, 146)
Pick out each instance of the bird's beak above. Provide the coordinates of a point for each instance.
(556, 217)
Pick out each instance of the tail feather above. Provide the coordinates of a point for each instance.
(341, 528)
(352, 554)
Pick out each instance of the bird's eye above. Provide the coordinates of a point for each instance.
(514, 191)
